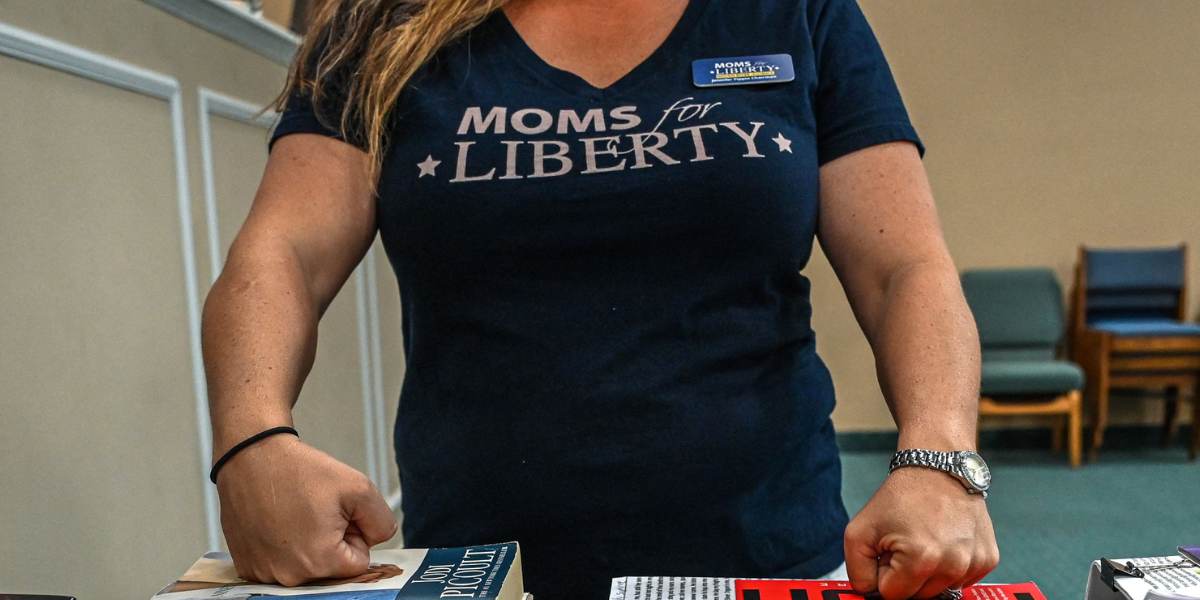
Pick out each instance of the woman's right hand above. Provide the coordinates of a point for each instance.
(292, 513)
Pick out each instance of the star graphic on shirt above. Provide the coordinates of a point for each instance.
(785, 145)
(427, 167)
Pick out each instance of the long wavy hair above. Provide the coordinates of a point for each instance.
(359, 55)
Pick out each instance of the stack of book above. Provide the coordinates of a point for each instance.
(493, 572)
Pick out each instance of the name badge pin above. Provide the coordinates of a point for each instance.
(743, 70)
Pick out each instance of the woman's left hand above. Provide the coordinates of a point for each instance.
(920, 534)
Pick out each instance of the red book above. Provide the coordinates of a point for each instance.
(780, 589)
(719, 588)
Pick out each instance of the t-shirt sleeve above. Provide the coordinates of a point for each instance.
(857, 103)
(302, 115)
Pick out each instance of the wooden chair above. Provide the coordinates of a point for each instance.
(1019, 313)
(1129, 330)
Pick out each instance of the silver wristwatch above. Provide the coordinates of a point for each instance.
(966, 466)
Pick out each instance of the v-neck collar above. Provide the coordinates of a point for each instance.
(662, 56)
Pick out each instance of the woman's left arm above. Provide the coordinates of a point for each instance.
(921, 533)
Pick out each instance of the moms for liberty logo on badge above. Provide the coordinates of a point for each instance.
(743, 70)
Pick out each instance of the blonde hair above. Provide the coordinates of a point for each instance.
(365, 52)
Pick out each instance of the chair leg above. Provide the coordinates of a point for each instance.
(1171, 415)
(1099, 418)
(1056, 434)
(1099, 422)
(1194, 450)
(1098, 385)
(1075, 428)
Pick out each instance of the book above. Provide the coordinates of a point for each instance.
(1162, 577)
(490, 572)
(721, 588)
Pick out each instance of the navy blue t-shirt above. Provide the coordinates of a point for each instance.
(609, 354)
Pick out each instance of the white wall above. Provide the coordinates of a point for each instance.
(129, 154)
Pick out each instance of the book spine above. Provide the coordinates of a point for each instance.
(476, 572)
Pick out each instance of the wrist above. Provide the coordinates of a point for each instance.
(231, 431)
(933, 479)
(950, 439)
(265, 444)
(966, 466)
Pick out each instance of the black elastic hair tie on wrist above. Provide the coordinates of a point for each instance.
(212, 475)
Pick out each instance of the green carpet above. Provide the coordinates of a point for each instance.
(1051, 522)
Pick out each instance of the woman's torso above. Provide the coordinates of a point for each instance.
(607, 333)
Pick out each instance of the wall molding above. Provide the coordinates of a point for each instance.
(215, 103)
(31, 47)
(238, 26)
(379, 417)
(34, 48)
(370, 350)
(364, 353)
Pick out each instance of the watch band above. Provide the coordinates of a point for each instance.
(947, 462)
(916, 457)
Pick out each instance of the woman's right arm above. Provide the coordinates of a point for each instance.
(290, 512)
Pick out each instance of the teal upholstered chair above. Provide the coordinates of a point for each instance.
(1130, 329)
(1019, 313)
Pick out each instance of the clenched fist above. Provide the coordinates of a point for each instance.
(292, 513)
(920, 534)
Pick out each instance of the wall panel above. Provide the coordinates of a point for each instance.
(239, 156)
(98, 426)
(104, 448)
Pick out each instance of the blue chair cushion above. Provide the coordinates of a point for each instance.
(1146, 327)
(1017, 378)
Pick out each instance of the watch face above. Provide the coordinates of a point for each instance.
(976, 471)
